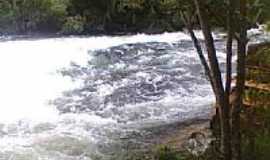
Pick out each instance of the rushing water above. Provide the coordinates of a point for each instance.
(70, 98)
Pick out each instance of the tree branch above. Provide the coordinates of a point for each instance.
(229, 50)
(212, 57)
(188, 23)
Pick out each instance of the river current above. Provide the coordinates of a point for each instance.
(71, 98)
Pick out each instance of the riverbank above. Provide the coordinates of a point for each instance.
(255, 128)
(147, 143)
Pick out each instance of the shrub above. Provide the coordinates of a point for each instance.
(268, 26)
(73, 25)
(262, 146)
(32, 15)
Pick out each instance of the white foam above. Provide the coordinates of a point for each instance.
(29, 79)
(28, 71)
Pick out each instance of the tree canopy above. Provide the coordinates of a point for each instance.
(107, 16)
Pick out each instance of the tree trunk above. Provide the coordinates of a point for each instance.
(221, 99)
(228, 105)
(240, 84)
(14, 8)
(216, 122)
(229, 50)
(187, 21)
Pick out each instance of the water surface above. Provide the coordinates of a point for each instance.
(71, 98)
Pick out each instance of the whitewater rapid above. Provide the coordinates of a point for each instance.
(46, 114)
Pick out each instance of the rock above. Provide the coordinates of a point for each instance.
(197, 143)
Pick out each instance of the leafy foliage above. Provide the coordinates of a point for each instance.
(30, 15)
(256, 119)
(260, 58)
(22, 16)
(73, 25)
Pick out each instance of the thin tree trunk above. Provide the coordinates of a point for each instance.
(210, 46)
(14, 8)
(222, 101)
(198, 47)
(227, 107)
(229, 50)
(240, 84)
(216, 120)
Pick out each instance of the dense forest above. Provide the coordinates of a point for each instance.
(98, 16)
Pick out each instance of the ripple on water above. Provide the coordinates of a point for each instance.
(126, 81)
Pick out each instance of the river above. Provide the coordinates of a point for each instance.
(71, 98)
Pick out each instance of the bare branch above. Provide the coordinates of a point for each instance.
(211, 51)
(197, 45)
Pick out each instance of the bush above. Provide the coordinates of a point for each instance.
(262, 147)
(73, 25)
(32, 15)
(6, 18)
(268, 26)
